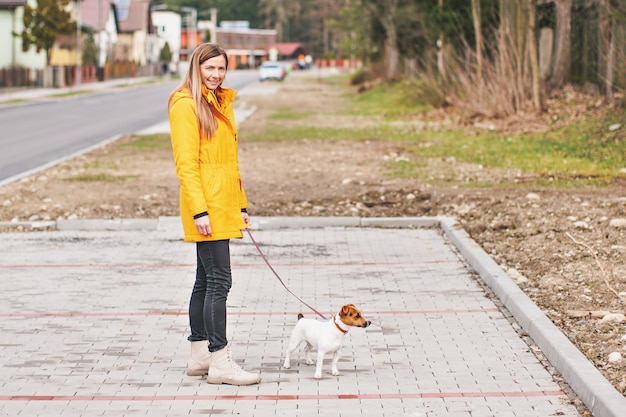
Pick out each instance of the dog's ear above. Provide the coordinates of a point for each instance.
(345, 310)
(300, 315)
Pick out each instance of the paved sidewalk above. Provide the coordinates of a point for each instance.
(11, 95)
(94, 323)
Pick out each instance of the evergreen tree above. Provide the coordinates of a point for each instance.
(90, 51)
(166, 53)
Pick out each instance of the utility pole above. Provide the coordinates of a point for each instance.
(440, 47)
(78, 50)
(213, 25)
(191, 21)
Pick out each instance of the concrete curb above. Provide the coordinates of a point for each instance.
(597, 393)
(259, 223)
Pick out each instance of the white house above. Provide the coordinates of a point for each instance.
(97, 15)
(134, 40)
(100, 16)
(11, 54)
(168, 28)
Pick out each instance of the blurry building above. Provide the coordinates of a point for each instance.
(246, 47)
(167, 24)
(11, 21)
(136, 41)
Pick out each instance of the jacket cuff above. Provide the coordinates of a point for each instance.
(197, 216)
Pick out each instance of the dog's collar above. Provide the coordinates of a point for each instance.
(341, 329)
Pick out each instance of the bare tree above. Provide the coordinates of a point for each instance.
(479, 36)
(606, 50)
(327, 12)
(385, 11)
(517, 70)
(563, 43)
(503, 36)
(277, 14)
(534, 55)
(391, 44)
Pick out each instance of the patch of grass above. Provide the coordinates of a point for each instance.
(72, 93)
(98, 164)
(100, 177)
(126, 84)
(13, 101)
(339, 80)
(288, 114)
(591, 150)
(588, 152)
(396, 99)
(407, 169)
(580, 150)
(277, 133)
(148, 142)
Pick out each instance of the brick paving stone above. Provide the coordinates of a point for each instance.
(94, 324)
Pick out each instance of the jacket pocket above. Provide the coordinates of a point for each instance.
(210, 180)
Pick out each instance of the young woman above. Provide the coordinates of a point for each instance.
(213, 206)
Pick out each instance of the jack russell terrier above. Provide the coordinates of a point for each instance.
(324, 336)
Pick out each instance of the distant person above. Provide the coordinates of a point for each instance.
(213, 206)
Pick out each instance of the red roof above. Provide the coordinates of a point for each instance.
(95, 13)
(138, 16)
(287, 48)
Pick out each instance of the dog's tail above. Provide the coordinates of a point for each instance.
(300, 315)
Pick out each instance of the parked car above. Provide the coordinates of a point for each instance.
(270, 70)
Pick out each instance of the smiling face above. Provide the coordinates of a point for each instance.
(213, 71)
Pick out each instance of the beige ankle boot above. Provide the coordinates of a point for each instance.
(224, 370)
(200, 360)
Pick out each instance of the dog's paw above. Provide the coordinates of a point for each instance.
(317, 376)
(310, 362)
(286, 365)
(335, 372)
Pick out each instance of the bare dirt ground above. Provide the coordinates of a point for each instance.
(566, 248)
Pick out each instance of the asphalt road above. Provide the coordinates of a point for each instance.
(38, 134)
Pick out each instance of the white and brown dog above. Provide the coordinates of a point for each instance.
(324, 336)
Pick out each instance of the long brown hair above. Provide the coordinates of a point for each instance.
(193, 82)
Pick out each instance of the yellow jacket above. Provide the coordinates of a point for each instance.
(208, 169)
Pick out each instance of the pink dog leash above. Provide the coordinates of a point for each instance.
(258, 248)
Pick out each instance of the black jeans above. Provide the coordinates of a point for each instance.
(207, 306)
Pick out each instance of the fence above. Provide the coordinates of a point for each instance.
(66, 76)
(21, 77)
(340, 64)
